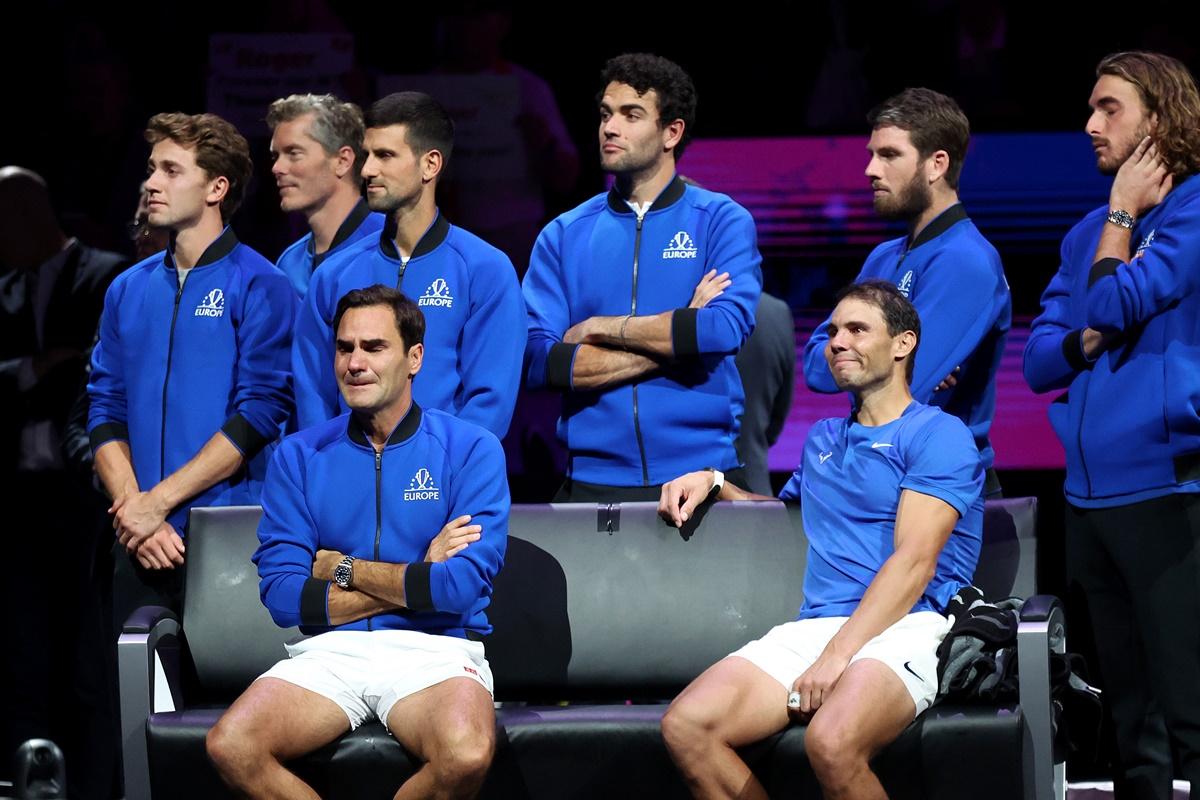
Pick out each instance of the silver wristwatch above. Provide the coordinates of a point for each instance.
(343, 573)
(1121, 218)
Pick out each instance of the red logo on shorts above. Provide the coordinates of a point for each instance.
(473, 672)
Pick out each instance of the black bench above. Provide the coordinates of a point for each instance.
(606, 609)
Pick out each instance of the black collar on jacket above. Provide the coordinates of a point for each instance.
(429, 241)
(404, 430)
(668, 196)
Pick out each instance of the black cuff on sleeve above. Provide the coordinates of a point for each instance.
(559, 365)
(683, 332)
(417, 594)
(245, 437)
(1072, 347)
(1105, 266)
(314, 603)
(107, 433)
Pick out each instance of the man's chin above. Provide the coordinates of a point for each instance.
(384, 205)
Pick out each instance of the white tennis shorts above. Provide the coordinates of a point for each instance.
(366, 672)
(908, 648)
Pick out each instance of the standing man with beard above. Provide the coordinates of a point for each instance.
(640, 298)
(466, 288)
(944, 265)
(1122, 316)
(316, 155)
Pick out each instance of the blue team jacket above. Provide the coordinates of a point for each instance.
(474, 324)
(328, 489)
(600, 260)
(175, 365)
(299, 261)
(1130, 421)
(954, 278)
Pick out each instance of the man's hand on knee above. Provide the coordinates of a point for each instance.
(815, 685)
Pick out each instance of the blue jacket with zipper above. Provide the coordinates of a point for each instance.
(1129, 420)
(174, 365)
(299, 262)
(955, 280)
(602, 259)
(328, 489)
(474, 324)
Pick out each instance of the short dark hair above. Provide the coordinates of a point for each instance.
(672, 86)
(428, 125)
(933, 121)
(410, 322)
(899, 314)
(221, 151)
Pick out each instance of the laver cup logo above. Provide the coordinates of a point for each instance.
(438, 295)
(681, 246)
(213, 304)
(421, 487)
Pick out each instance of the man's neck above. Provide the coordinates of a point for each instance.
(941, 201)
(645, 186)
(326, 218)
(379, 424)
(412, 222)
(193, 240)
(882, 404)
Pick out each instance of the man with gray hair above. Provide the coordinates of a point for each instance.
(316, 155)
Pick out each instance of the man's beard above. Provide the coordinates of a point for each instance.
(385, 203)
(1110, 165)
(911, 201)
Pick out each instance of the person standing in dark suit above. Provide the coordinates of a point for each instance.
(51, 295)
(767, 366)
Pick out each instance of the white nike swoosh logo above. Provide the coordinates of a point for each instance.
(877, 445)
(826, 456)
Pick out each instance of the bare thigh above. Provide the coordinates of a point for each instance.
(286, 719)
(429, 719)
(868, 708)
(736, 700)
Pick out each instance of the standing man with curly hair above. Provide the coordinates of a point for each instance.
(640, 298)
(1121, 319)
(190, 381)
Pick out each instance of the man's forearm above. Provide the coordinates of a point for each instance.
(600, 367)
(351, 606)
(114, 465)
(731, 492)
(890, 596)
(1114, 243)
(648, 335)
(381, 580)
(217, 460)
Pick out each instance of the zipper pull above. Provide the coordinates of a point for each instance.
(378, 461)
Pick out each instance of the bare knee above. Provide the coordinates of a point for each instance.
(463, 757)
(836, 755)
(687, 727)
(232, 751)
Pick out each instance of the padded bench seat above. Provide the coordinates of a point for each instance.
(594, 605)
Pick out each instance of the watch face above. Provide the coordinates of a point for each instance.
(341, 575)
